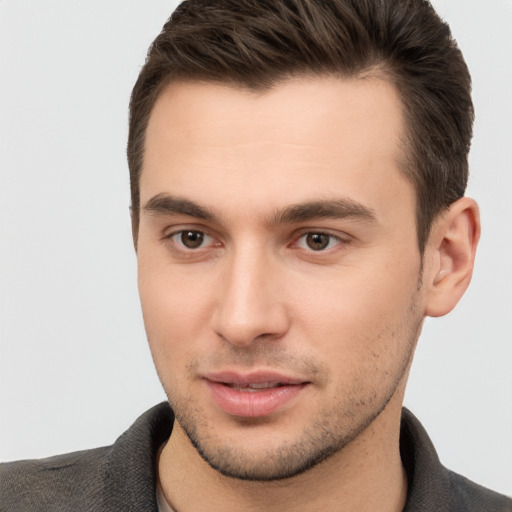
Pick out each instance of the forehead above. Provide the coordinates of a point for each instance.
(300, 140)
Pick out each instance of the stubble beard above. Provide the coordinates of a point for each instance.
(333, 428)
(322, 439)
(326, 434)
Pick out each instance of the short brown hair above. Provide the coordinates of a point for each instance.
(258, 43)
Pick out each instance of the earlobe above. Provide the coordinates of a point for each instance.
(452, 247)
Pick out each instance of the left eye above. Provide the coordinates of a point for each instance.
(191, 239)
(317, 241)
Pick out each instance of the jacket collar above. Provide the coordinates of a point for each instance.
(130, 469)
(428, 481)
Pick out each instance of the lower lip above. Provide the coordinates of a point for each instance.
(253, 404)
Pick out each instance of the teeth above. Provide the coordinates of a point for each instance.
(254, 387)
(264, 385)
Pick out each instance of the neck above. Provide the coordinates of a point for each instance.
(367, 475)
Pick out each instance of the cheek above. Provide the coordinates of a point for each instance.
(360, 315)
(366, 340)
(174, 309)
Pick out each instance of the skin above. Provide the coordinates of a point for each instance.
(241, 169)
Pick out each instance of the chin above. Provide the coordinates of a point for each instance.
(279, 456)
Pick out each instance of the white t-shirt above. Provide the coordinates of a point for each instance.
(163, 505)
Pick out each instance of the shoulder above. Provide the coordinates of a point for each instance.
(117, 477)
(42, 484)
(432, 487)
(469, 496)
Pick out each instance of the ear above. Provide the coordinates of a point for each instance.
(452, 247)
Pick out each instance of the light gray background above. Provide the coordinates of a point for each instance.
(75, 370)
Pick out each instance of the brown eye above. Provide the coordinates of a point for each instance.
(192, 239)
(317, 241)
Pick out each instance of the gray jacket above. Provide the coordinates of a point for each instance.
(122, 477)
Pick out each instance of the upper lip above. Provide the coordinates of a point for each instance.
(253, 377)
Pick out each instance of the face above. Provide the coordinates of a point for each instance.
(279, 270)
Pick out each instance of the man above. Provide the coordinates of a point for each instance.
(297, 172)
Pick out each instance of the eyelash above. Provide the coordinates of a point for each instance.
(176, 238)
(331, 238)
(173, 237)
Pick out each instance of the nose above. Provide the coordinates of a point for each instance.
(251, 304)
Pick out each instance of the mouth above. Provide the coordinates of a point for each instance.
(255, 394)
(254, 388)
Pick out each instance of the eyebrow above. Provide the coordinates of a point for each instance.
(326, 209)
(165, 204)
